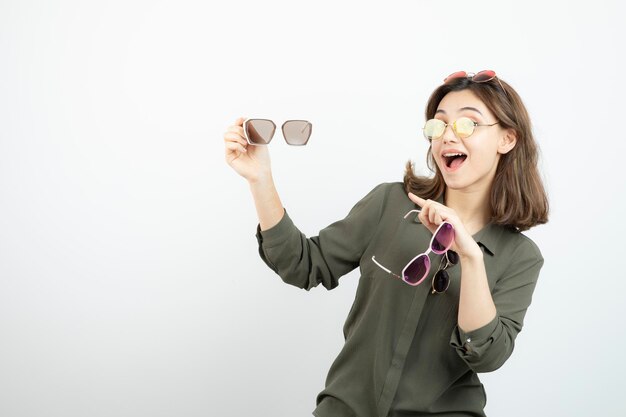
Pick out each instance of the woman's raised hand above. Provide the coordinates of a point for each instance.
(250, 161)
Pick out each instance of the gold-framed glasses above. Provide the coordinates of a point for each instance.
(463, 127)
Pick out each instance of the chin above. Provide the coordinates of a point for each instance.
(456, 182)
(455, 185)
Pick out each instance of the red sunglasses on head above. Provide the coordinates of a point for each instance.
(479, 77)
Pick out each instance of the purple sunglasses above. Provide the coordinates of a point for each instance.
(417, 269)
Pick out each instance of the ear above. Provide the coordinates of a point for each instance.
(507, 142)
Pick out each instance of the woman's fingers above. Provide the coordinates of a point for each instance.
(424, 217)
(432, 214)
(440, 213)
(236, 129)
(235, 147)
(428, 212)
(235, 137)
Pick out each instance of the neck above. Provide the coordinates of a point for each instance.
(472, 207)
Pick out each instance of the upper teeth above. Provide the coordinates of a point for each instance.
(453, 154)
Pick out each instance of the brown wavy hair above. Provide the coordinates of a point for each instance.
(518, 198)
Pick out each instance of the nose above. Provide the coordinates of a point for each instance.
(449, 135)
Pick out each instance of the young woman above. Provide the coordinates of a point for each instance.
(442, 293)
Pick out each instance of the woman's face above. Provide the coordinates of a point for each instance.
(482, 149)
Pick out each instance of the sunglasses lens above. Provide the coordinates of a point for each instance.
(458, 74)
(483, 76)
(464, 127)
(259, 131)
(453, 257)
(441, 280)
(417, 270)
(444, 236)
(433, 129)
(297, 132)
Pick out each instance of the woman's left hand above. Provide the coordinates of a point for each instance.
(433, 213)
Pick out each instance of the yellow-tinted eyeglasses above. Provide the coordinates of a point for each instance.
(463, 127)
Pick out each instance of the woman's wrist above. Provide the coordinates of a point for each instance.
(475, 255)
(263, 177)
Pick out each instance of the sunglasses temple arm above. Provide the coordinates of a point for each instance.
(447, 262)
(376, 262)
(502, 87)
(416, 210)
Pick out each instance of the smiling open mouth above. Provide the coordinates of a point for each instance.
(454, 160)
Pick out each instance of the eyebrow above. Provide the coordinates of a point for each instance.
(462, 108)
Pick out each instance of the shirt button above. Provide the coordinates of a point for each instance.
(469, 339)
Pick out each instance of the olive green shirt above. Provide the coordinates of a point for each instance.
(404, 353)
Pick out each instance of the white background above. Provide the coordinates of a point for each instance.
(130, 279)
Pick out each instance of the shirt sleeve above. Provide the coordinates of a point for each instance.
(305, 262)
(487, 348)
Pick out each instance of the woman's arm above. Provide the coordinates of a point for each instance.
(306, 262)
(487, 347)
(266, 200)
(488, 321)
(476, 306)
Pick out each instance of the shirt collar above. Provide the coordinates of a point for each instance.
(487, 237)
